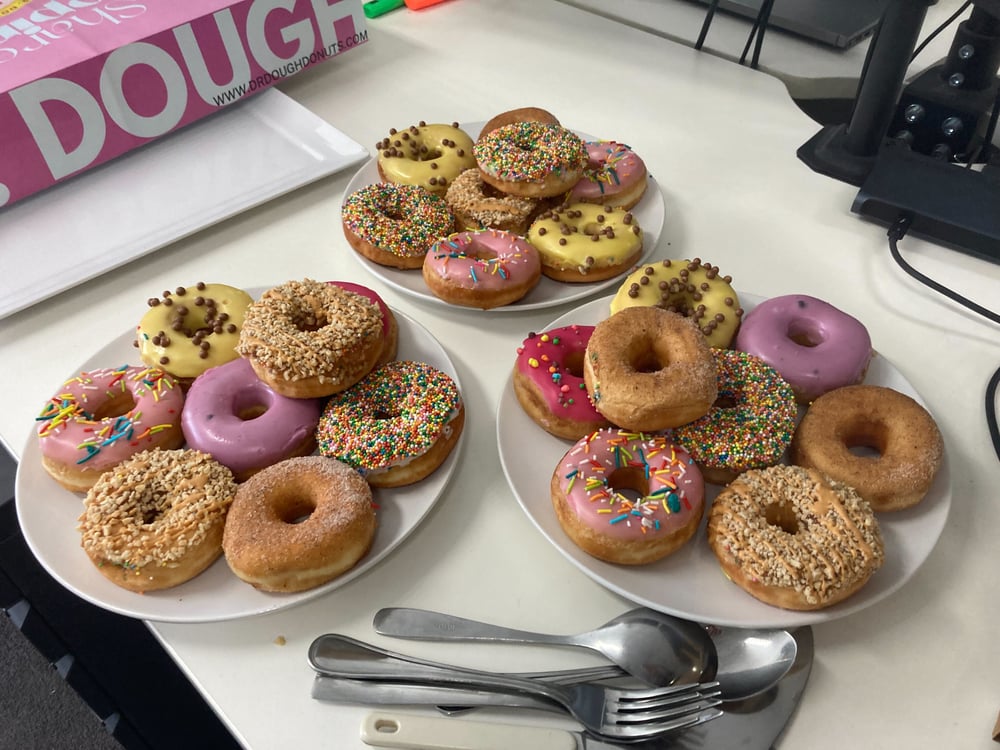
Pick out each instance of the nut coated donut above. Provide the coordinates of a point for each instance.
(749, 426)
(548, 382)
(614, 176)
(428, 156)
(582, 242)
(483, 269)
(533, 159)
(100, 418)
(308, 339)
(793, 538)
(647, 369)
(904, 437)
(156, 520)
(299, 524)
(689, 287)
(627, 498)
(396, 426)
(478, 205)
(395, 225)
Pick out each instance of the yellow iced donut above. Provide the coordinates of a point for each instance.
(429, 156)
(586, 242)
(690, 287)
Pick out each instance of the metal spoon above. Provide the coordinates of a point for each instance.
(649, 645)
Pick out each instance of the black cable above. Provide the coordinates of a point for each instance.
(896, 232)
(709, 15)
(930, 37)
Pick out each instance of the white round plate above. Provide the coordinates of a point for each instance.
(48, 517)
(690, 583)
(649, 212)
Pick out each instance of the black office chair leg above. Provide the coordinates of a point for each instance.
(709, 15)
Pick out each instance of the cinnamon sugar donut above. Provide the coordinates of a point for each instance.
(902, 433)
(299, 524)
(156, 520)
(308, 339)
(793, 538)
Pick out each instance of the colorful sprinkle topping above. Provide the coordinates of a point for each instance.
(529, 151)
(404, 220)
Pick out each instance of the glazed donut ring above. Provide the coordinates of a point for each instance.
(523, 114)
(478, 205)
(793, 538)
(749, 426)
(308, 339)
(395, 225)
(428, 156)
(583, 242)
(647, 370)
(903, 434)
(531, 159)
(690, 287)
(299, 524)
(156, 520)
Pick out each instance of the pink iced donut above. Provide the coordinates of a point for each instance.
(548, 382)
(813, 345)
(232, 415)
(628, 498)
(100, 418)
(390, 329)
(614, 176)
(485, 269)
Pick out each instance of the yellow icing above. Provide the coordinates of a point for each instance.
(620, 237)
(429, 156)
(690, 287)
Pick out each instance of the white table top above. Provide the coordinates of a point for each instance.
(721, 141)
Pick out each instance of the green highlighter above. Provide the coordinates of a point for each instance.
(376, 8)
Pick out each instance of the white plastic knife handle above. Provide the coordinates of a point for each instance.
(441, 733)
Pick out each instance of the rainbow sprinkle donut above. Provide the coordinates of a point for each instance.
(396, 426)
(751, 424)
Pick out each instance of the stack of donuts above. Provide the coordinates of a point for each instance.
(253, 429)
(678, 387)
(485, 219)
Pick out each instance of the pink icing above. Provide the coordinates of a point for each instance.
(212, 420)
(485, 260)
(368, 294)
(593, 475)
(550, 361)
(612, 168)
(835, 351)
(71, 429)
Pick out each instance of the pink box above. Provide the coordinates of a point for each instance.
(84, 81)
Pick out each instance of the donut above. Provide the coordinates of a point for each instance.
(627, 498)
(812, 344)
(793, 538)
(533, 159)
(99, 418)
(485, 269)
(243, 424)
(690, 287)
(478, 205)
(395, 225)
(428, 156)
(308, 339)
(582, 242)
(750, 425)
(155, 521)
(522, 114)
(648, 369)
(396, 426)
(299, 524)
(186, 331)
(899, 447)
(390, 328)
(614, 176)
(548, 382)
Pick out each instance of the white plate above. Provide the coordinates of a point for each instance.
(48, 514)
(690, 583)
(650, 213)
(164, 191)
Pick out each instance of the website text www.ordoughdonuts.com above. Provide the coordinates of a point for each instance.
(262, 81)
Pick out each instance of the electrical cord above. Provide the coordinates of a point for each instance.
(896, 232)
(947, 22)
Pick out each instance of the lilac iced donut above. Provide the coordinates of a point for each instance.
(231, 414)
(813, 345)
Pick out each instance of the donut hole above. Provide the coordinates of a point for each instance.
(868, 441)
(629, 481)
(249, 404)
(429, 154)
(308, 320)
(478, 251)
(296, 510)
(643, 357)
(384, 414)
(573, 363)
(121, 404)
(782, 516)
(804, 333)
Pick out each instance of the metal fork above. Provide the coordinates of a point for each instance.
(622, 715)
